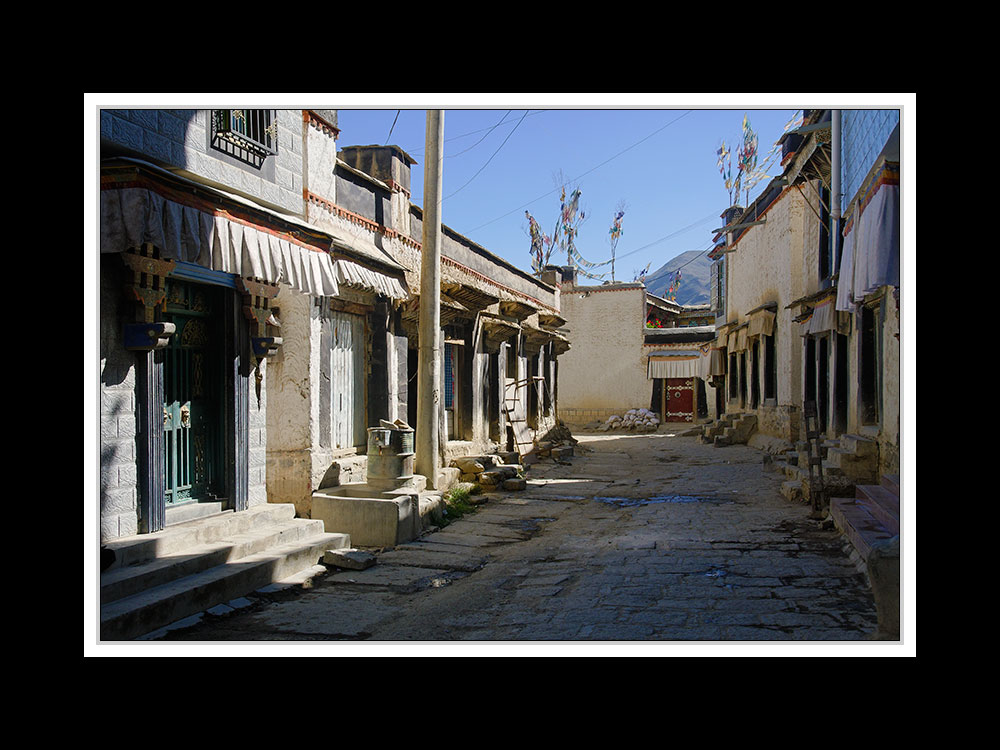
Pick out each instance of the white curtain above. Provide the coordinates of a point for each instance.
(686, 365)
(871, 249)
(353, 274)
(131, 216)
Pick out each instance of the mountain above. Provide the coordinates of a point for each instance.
(695, 268)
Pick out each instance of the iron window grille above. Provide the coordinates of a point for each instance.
(250, 135)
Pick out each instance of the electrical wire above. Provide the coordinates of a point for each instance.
(490, 159)
(488, 131)
(545, 195)
(420, 150)
(392, 128)
(667, 237)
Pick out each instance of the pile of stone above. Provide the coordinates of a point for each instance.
(557, 443)
(489, 473)
(636, 420)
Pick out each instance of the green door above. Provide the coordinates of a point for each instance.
(192, 403)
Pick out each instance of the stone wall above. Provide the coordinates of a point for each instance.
(864, 133)
(257, 439)
(118, 417)
(768, 266)
(180, 138)
(604, 371)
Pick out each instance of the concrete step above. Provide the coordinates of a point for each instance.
(160, 578)
(881, 504)
(132, 579)
(141, 548)
(792, 490)
(891, 483)
(133, 616)
(858, 525)
(862, 467)
(859, 445)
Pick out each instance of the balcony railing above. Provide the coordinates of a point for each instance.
(250, 135)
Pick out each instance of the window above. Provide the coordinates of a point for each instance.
(716, 284)
(451, 358)
(770, 369)
(512, 358)
(250, 135)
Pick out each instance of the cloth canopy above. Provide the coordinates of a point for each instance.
(680, 364)
(353, 274)
(717, 363)
(761, 323)
(871, 244)
(131, 216)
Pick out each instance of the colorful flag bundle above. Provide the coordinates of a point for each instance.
(539, 241)
(674, 286)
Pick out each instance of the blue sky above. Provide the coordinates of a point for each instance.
(501, 159)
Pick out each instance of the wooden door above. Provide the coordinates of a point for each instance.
(347, 372)
(680, 399)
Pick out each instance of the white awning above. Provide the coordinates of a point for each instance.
(871, 246)
(717, 363)
(761, 323)
(824, 318)
(132, 215)
(353, 274)
(680, 364)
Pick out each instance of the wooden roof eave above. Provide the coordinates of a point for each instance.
(515, 309)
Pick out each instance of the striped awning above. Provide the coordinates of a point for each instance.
(761, 323)
(679, 364)
(356, 275)
(138, 208)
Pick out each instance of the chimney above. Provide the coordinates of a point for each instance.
(390, 164)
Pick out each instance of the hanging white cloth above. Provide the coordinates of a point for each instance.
(131, 216)
(871, 248)
(353, 274)
(681, 364)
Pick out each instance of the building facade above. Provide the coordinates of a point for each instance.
(258, 292)
(633, 350)
(806, 291)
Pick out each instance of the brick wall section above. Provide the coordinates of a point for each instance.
(180, 138)
(864, 133)
(118, 479)
(257, 439)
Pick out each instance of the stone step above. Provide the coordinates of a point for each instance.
(859, 445)
(858, 525)
(141, 548)
(132, 579)
(891, 483)
(792, 490)
(852, 464)
(881, 504)
(141, 613)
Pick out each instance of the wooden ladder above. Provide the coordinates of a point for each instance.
(523, 442)
(817, 488)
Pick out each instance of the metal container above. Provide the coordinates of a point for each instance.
(390, 456)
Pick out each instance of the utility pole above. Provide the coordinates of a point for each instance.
(835, 188)
(429, 344)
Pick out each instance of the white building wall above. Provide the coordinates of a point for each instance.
(767, 266)
(604, 372)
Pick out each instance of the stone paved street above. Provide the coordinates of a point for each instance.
(648, 539)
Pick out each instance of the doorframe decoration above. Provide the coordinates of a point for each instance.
(148, 288)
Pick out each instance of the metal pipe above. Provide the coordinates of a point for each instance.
(426, 460)
(835, 186)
